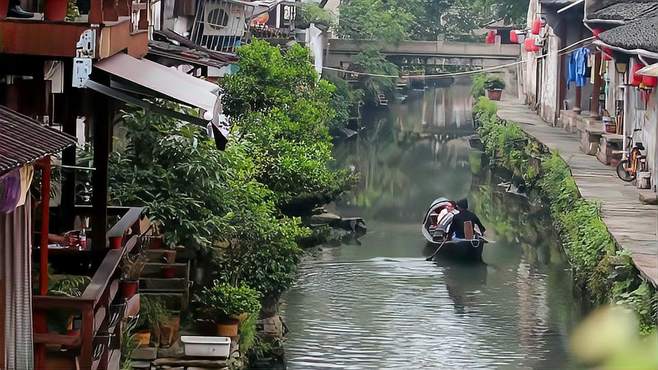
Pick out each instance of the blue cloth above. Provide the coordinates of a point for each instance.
(577, 69)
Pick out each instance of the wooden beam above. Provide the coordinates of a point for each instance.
(102, 127)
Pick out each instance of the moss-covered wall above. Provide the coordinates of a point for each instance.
(603, 273)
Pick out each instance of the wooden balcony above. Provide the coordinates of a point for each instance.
(118, 25)
(101, 309)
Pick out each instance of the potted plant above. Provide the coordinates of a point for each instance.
(131, 268)
(228, 304)
(152, 314)
(494, 87)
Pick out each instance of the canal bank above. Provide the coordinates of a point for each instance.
(609, 235)
(380, 305)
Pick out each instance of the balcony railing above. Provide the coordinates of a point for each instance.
(98, 342)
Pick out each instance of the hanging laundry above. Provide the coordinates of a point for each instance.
(577, 68)
(10, 191)
(26, 173)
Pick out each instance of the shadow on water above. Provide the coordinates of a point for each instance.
(380, 305)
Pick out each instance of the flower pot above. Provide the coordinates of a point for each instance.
(129, 288)
(143, 338)
(116, 242)
(169, 272)
(494, 94)
(228, 328)
(155, 242)
(169, 331)
(55, 10)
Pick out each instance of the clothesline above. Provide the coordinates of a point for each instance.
(562, 51)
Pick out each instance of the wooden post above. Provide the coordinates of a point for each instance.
(102, 147)
(596, 88)
(579, 96)
(40, 324)
(71, 101)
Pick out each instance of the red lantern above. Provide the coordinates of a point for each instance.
(650, 82)
(636, 79)
(491, 37)
(513, 37)
(536, 26)
(606, 54)
(597, 31)
(530, 45)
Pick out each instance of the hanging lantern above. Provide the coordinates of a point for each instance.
(636, 79)
(649, 82)
(537, 25)
(529, 44)
(491, 37)
(513, 37)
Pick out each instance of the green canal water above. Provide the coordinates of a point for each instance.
(380, 305)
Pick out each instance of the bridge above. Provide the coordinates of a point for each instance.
(339, 52)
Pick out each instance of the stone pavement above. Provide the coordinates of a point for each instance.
(633, 224)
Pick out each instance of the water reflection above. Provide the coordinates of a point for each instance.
(382, 306)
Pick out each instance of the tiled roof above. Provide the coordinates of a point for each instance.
(626, 10)
(24, 140)
(638, 34)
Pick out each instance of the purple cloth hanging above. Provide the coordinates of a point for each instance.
(11, 191)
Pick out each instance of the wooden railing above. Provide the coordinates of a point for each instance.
(98, 343)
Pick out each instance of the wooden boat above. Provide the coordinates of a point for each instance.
(466, 250)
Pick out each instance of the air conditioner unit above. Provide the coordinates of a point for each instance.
(222, 19)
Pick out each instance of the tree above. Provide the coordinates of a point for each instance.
(374, 20)
(280, 112)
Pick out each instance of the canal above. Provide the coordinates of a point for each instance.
(378, 304)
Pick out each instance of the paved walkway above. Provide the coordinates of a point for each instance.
(634, 225)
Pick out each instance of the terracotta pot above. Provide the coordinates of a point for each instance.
(55, 10)
(169, 331)
(128, 288)
(116, 242)
(4, 6)
(143, 338)
(494, 95)
(155, 242)
(228, 328)
(169, 272)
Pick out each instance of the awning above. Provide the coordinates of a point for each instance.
(162, 80)
(650, 70)
(133, 79)
(24, 140)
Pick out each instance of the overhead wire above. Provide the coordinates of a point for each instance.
(562, 51)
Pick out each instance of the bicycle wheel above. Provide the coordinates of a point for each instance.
(625, 172)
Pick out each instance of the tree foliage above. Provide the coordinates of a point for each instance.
(281, 112)
(393, 21)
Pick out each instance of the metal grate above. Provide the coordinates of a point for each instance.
(221, 25)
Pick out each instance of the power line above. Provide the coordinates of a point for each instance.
(562, 51)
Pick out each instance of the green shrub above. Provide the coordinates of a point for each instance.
(230, 301)
(586, 239)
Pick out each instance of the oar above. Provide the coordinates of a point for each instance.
(436, 251)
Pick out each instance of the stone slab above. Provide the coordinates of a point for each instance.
(145, 353)
(633, 224)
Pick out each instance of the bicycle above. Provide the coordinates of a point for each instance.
(634, 161)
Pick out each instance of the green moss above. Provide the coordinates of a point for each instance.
(606, 274)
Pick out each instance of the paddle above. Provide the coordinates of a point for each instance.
(436, 251)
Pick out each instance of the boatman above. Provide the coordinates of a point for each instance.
(464, 215)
